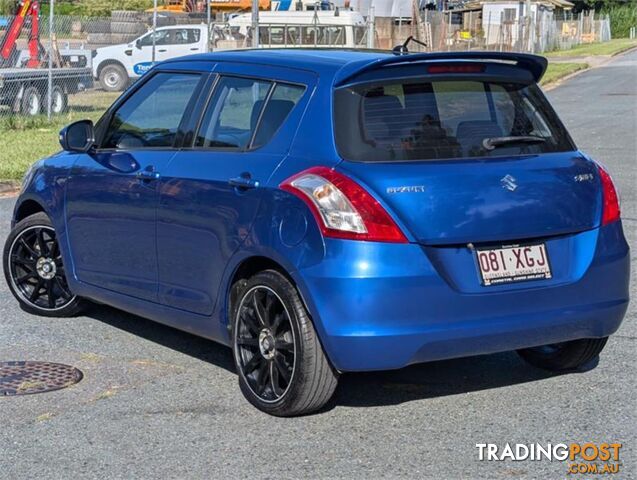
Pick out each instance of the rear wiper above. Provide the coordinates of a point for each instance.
(495, 142)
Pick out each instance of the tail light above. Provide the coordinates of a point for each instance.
(342, 208)
(610, 209)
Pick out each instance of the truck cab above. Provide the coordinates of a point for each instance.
(115, 66)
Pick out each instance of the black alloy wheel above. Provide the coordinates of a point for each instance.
(282, 367)
(35, 271)
(265, 343)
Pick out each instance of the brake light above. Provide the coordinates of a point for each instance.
(610, 209)
(342, 208)
(455, 68)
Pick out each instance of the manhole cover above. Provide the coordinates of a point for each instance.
(24, 378)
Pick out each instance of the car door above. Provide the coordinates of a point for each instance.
(112, 192)
(213, 188)
(141, 54)
(179, 42)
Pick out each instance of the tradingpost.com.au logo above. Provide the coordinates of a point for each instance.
(587, 458)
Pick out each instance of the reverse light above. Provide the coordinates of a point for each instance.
(342, 208)
(610, 208)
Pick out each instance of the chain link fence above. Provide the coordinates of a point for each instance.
(69, 63)
(496, 29)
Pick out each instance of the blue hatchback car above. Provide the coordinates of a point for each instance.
(330, 211)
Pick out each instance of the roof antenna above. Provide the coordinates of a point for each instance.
(402, 49)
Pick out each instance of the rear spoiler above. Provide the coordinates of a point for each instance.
(534, 64)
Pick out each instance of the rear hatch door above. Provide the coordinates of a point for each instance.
(465, 151)
(495, 200)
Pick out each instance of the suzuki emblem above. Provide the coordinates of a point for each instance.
(508, 182)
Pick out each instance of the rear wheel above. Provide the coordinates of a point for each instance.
(31, 101)
(564, 356)
(34, 269)
(282, 368)
(113, 78)
(59, 100)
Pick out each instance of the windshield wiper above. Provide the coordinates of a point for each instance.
(495, 142)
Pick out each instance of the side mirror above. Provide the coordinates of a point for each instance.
(78, 136)
(138, 44)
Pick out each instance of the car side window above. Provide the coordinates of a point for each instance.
(279, 106)
(150, 117)
(162, 37)
(239, 106)
(233, 113)
(185, 36)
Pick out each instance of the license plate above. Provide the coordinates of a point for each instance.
(515, 263)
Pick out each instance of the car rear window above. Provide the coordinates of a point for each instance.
(423, 120)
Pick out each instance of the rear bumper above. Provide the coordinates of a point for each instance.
(384, 306)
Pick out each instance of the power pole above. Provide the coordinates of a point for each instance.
(528, 25)
(208, 23)
(255, 23)
(49, 96)
(371, 19)
(154, 28)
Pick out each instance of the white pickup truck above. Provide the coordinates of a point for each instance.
(115, 66)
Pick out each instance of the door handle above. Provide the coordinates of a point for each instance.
(243, 182)
(162, 50)
(194, 49)
(148, 175)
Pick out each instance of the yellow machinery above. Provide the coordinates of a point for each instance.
(188, 6)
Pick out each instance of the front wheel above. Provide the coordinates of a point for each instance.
(564, 356)
(113, 78)
(282, 368)
(34, 269)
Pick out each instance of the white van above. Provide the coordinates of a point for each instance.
(319, 28)
(116, 65)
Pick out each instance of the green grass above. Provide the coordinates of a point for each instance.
(612, 47)
(556, 71)
(28, 139)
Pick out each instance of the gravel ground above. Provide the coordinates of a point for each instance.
(156, 402)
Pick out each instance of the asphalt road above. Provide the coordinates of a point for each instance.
(156, 402)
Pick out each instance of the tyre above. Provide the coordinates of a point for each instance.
(127, 28)
(282, 368)
(118, 38)
(166, 21)
(125, 16)
(98, 26)
(564, 356)
(113, 78)
(59, 100)
(34, 269)
(31, 101)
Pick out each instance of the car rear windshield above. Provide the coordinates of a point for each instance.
(433, 120)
